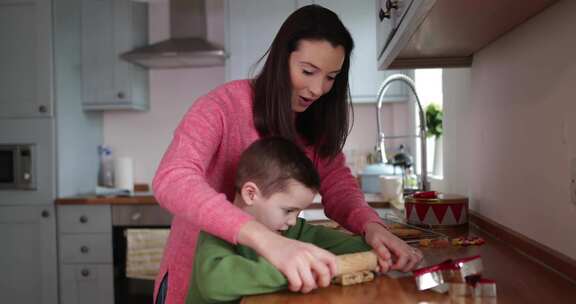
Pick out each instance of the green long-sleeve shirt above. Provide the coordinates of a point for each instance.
(224, 272)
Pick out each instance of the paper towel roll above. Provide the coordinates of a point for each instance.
(124, 174)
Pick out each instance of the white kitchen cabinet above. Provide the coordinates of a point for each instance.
(252, 25)
(86, 284)
(40, 66)
(364, 74)
(110, 28)
(365, 78)
(85, 255)
(250, 29)
(397, 19)
(389, 15)
(28, 255)
(25, 58)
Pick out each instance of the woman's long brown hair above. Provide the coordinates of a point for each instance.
(325, 125)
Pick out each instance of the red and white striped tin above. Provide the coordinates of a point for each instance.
(443, 210)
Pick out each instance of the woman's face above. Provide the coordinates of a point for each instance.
(313, 68)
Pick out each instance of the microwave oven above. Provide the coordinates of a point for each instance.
(17, 163)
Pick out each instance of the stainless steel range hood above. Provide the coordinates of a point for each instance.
(187, 46)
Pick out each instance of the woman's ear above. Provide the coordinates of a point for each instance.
(250, 193)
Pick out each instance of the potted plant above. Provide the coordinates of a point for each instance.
(434, 117)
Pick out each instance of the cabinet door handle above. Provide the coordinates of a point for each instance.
(83, 219)
(386, 14)
(85, 272)
(391, 4)
(84, 249)
(45, 213)
(42, 109)
(121, 95)
(383, 15)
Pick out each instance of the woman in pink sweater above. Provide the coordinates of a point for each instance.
(301, 94)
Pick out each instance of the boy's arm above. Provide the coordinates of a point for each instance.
(220, 274)
(330, 239)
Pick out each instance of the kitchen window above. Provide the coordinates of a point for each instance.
(429, 88)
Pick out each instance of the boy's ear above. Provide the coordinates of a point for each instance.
(250, 193)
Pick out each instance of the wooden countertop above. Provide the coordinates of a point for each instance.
(519, 280)
(374, 199)
(92, 199)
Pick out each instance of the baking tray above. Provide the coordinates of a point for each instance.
(397, 226)
(396, 222)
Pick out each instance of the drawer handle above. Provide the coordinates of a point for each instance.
(84, 249)
(136, 216)
(85, 272)
(83, 219)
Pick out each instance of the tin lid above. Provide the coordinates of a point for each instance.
(442, 198)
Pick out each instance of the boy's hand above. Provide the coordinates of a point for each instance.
(394, 254)
(306, 266)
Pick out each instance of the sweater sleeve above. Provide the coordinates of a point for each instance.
(180, 184)
(332, 240)
(341, 196)
(221, 274)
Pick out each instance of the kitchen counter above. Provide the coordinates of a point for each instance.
(519, 279)
(139, 198)
(145, 198)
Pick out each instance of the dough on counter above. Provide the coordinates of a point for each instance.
(354, 278)
(406, 232)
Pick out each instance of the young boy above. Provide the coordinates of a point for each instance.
(274, 181)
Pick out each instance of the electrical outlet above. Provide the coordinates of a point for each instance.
(573, 181)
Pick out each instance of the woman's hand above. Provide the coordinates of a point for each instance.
(306, 266)
(393, 253)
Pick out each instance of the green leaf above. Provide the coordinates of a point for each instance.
(434, 117)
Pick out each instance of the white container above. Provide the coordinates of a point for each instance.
(370, 176)
(391, 189)
(124, 174)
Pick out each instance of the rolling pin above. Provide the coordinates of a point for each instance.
(356, 262)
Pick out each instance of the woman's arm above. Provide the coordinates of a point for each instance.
(344, 202)
(180, 183)
(330, 239)
(341, 196)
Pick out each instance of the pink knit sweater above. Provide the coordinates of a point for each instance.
(195, 181)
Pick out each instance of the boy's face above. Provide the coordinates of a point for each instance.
(280, 210)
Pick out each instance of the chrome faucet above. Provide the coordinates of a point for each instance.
(380, 147)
